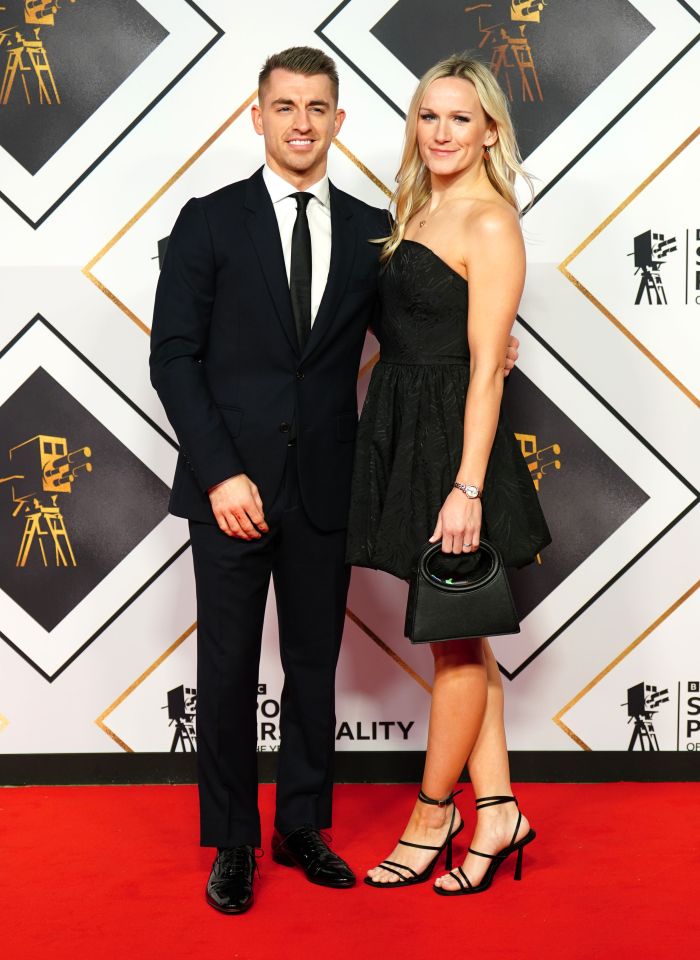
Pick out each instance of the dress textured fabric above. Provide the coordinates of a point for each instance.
(411, 432)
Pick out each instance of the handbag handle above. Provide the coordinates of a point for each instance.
(431, 549)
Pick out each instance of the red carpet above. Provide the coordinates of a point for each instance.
(109, 872)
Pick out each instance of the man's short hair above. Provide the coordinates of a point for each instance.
(306, 60)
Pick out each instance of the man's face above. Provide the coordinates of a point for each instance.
(298, 118)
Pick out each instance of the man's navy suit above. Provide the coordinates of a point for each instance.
(243, 398)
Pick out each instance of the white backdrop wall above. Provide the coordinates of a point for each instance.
(605, 399)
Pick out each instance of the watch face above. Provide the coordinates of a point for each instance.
(472, 492)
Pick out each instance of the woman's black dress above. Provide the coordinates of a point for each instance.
(410, 436)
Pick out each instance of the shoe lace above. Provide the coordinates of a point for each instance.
(316, 841)
(236, 859)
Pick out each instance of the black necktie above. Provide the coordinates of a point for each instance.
(300, 270)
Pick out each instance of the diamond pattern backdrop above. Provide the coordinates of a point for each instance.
(111, 116)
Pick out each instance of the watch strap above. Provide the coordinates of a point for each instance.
(466, 489)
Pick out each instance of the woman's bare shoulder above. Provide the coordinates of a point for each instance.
(491, 217)
(490, 235)
(491, 228)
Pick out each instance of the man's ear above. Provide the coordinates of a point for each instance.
(339, 120)
(256, 116)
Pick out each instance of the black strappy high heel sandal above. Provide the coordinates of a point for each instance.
(465, 884)
(410, 876)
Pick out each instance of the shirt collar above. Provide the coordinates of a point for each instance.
(279, 188)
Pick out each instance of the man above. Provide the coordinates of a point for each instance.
(266, 292)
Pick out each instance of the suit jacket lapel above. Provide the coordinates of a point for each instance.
(262, 226)
(343, 244)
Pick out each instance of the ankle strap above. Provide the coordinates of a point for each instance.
(424, 798)
(494, 801)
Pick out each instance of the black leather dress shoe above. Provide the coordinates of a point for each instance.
(305, 847)
(230, 884)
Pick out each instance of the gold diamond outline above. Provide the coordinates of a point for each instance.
(563, 267)
(366, 368)
(4, 722)
(374, 359)
(390, 652)
(557, 718)
(362, 168)
(100, 721)
(87, 269)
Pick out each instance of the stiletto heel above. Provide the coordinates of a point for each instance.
(519, 866)
(448, 855)
(465, 884)
(409, 876)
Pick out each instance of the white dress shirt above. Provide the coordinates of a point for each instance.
(318, 213)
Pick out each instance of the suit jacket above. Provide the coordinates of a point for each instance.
(225, 360)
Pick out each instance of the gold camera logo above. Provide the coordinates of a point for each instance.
(43, 469)
(26, 61)
(512, 62)
(540, 461)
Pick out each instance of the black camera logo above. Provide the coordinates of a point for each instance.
(182, 713)
(650, 253)
(643, 702)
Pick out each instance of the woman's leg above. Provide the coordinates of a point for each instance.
(490, 776)
(456, 715)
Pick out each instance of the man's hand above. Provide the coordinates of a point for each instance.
(238, 508)
(511, 355)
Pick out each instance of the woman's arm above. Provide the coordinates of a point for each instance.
(495, 260)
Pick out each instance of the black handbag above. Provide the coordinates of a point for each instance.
(455, 596)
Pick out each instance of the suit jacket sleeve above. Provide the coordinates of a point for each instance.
(181, 321)
(385, 224)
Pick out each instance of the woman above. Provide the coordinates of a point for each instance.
(432, 438)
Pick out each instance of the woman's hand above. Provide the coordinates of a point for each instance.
(512, 354)
(458, 523)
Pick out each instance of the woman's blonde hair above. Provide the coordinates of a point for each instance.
(503, 160)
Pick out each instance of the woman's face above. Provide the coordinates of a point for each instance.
(452, 128)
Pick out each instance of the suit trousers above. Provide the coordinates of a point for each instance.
(232, 578)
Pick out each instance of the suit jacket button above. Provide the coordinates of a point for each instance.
(300, 374)
(284, 428)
